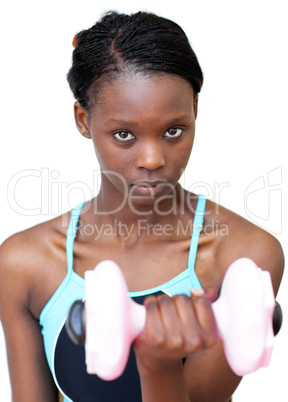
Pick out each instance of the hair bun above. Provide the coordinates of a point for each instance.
(75, 39)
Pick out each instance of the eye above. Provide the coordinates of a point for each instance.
(123, 136)
(173, 132)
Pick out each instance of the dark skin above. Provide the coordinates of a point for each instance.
(142, 127)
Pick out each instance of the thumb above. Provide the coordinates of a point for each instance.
(210, 293)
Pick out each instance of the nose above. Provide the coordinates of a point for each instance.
(150, 155)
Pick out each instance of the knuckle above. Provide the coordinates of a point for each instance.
(157, 338)
(182, 298)
(176, 341)
(165, 300)
(152, 338)
(203, 304)
(212, 339)
(149, 300)
(195, 342)
(204, 301)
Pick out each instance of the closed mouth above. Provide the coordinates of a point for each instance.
(148, 188)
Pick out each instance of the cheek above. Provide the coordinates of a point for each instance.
(113, 164)
(179, 163)
(113, 171)
(104, 153)
(182, 155)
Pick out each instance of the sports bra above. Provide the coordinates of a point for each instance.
(66, 360)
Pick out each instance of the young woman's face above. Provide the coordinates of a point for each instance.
(142, 129)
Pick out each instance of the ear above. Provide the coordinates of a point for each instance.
(81, 120)
(195, 105)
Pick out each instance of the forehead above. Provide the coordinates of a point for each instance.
(141, 94)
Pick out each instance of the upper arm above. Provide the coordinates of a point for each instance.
(269, 256)
(30, 376)
(263, 248)
(208, 375)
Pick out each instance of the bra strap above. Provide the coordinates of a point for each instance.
(197, 227)
(71, 234)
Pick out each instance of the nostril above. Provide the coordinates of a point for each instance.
(151, 159)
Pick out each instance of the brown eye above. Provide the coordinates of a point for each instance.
(123, 136)
(173, 132)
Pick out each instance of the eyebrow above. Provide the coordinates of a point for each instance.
(122, 122)
(135, 123)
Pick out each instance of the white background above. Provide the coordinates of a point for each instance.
(242, 124)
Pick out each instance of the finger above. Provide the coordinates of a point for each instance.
(186, 311)
(206, 319)
(211, 294)
(153, 326)
(191, 328)
(171, 321)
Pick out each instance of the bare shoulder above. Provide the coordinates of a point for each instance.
(31, 246)
(24, 255)
(25, 286)
(242, 238)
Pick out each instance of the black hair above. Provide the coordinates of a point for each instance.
(143, 42)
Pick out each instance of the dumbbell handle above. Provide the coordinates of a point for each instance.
(243, 312)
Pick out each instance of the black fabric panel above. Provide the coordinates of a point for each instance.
(70, 371)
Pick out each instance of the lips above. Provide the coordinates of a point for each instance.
(149, 188)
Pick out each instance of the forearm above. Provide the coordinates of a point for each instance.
(166, 384)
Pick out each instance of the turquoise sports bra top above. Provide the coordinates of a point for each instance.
(53, 315)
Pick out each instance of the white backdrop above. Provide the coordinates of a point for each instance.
(240, 148)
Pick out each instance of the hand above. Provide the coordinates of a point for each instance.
(175, 327)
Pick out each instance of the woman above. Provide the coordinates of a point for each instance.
(136, 82)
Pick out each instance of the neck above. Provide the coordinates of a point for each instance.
(134, 223)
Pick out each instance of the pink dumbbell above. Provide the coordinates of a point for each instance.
(245, 313)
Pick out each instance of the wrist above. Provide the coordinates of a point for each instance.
(159, 367)
(163, 381)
